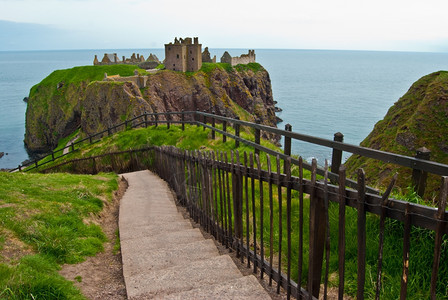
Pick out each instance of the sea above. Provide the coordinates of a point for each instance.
(320, 92)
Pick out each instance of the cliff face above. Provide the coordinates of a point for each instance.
(95, 105)
(418, 119)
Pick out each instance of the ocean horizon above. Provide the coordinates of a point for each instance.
(321, 92)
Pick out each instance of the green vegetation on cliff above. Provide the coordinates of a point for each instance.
(418, 119)
(46, 221)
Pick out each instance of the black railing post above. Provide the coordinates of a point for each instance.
(20, 168)
(418, 176)
(257, 136)
(90, 139)
(146, 119)
(224, 128)
(167, 117)
(204, 120)
(237, 132)
(108, 131)
(287, 145)
(52, 155)
(73, 147)
(35, 163)
(182, 117)
(336, 157)
(213, 125)
(125, 125)
(156, 121)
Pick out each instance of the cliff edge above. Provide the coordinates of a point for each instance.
(83, 97)
(418, 119)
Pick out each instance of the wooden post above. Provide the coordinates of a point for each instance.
(182, 117)
(125, 125)
(287, 146)
(213, 125)
(156, 117)
(146, 119)
(197, 117)
(52, 155)
(20, 168)
(167, 121)
(224, 128)
(336, 157)
(204, 120)
(90, 139)
(108, 131)
(237, 132)
(317, 236)
(257, 136)
(73, 147)
(419, 176)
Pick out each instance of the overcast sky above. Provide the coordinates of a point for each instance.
(403, 25)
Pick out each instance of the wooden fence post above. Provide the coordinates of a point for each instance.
(419, 176)
(197, 117)
(257, 136)
(287, 146)
(156, 121)
(73, 147)
(20, 168)
(146, 119)
(224, 128)
(204, 120)
(336, 157)
(237, 132)
(213, 125)
(108, 131)
(167, 121)
(182, 117)
(317, 236)
(52, 155)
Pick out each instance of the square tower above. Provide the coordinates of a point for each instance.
(183, 55)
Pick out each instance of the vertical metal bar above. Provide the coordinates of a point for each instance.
(220, 182)
(204, 120)
(260, 180)
(287, 167)
(361, 234)
(125, 125)
(52, 155)
(156, 121)
(336, 157)
(439, 235)
(300, 260)
(280, 223)
(197, 117)
(73, 147)
(246, 189)
(146, 119)
(384, 203)
(271, 221)
(341, 242)
(327, 240)
(225, 198)
(254, 215)
(238, 199)
(406, 246)
(229, 198)
(167, 117)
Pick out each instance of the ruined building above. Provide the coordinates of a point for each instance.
(243, 59)
(112, 59)
(183, 55)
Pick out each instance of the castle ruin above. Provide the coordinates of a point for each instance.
(112, 59)
(183, 55)
(243, 59)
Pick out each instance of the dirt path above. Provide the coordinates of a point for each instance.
(67, 149)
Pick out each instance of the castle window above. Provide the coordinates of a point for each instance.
(192, 58)
(178, 56)
(174, 65)
(191, 52)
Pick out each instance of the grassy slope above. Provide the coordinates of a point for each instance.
(418, 119)
(46, 221)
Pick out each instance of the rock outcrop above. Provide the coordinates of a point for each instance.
(418, 119)
(95, 105)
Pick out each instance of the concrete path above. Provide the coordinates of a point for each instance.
(164, 257)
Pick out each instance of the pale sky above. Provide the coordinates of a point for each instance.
(397, 25)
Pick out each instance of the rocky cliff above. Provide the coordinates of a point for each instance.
(67, 99)
(418, 119)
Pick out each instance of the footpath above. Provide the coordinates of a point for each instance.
(164, 257)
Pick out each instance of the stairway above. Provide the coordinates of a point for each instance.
(164, 257)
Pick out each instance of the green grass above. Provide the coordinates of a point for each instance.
(48, 220)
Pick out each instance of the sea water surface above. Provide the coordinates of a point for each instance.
(321, 92)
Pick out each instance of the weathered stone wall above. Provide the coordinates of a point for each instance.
(183, 55)
(243, 59)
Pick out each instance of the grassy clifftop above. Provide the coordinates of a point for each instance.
(78, 97)
(418, 119)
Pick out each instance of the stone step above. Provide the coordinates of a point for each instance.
(160, 241)
(128, 220)
(177, 255)
(154, 228)
(197, 274)
(246, 287)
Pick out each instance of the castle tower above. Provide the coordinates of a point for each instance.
(183, 55)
